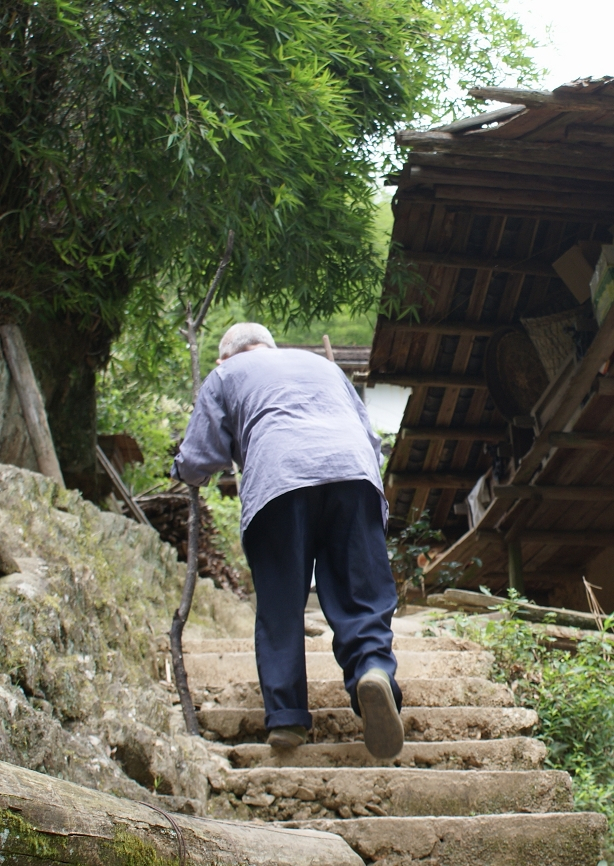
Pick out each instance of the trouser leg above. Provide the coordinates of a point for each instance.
(279, 547)
(354, 582)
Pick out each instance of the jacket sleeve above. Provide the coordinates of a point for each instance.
(207, 447)
(374, 439)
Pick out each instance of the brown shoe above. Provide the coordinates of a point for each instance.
(383, 728)
(287, 737)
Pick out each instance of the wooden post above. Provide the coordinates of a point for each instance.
(328, 349)
(31, 402)
(514, 561)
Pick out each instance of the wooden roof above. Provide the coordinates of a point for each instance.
(484, 206)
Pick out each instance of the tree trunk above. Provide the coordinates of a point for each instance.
(44, 820)
(65, 361)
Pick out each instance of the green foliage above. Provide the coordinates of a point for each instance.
(408, 552)
(226, 513)
(133, 136)
(573, 693)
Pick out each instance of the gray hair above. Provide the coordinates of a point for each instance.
(241, 336)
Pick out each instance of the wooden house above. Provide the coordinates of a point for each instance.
(508, 436)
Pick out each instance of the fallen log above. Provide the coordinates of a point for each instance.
(44, 820)
(462, 599)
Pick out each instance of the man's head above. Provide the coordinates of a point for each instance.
(244, 336)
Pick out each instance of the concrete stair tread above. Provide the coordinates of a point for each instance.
(347, 792)
(417, 692)
(324, 644)
(513, 753)
(221, 668)
(428, 724)
(559, 839)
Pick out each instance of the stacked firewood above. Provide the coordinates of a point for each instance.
(168, 514)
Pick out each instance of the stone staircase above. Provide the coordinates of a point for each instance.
(468, 789)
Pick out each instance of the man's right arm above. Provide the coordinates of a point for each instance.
(207, 447)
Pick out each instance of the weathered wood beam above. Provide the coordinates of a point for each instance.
(433, 480)
(554, 493)
(583, 155)
(458, 434)
(456, 260)
(512, 198)
(452, 329)
(561, 537)
(581, 439)
(47, 820)
(527, 611)
(31, 402)
(537, 170)
(557, 100)
(497, 179)
(429, 380)
(577, 388)
(514, 564)
(590, 134)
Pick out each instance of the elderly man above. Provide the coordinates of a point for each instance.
(311, 492)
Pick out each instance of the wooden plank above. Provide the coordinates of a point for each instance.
(449, 328)
(31, 401)
(516, 198)
(596, 441)
(555, 493)
(460, 434)
(499, 179)
(560, 537)
(557, 100)
(530, 612)
(473, 162)
(477, 121)
(554, 153)
(512, 266)
(431, 380)
(121, 489)
(433, 480)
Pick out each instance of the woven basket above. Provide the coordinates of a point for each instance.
(549, 335)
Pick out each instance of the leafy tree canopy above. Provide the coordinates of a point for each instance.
(133, 135)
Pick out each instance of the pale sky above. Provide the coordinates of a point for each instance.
(578, 37)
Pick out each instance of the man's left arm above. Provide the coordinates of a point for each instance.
(207, 447)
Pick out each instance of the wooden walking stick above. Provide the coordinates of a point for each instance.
(181, 614)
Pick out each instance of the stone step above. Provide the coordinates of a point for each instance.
(207, 670)
(560, 839)
(422, 692)
(323, 644)
(300, 793)
(514, 753)
(422, 724)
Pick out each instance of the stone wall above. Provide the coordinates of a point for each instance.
(86, 602)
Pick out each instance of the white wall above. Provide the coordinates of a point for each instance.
(385, 406)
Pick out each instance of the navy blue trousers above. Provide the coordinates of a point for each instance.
(339, 526)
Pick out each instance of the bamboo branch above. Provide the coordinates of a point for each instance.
(216, 280)
(180, 616)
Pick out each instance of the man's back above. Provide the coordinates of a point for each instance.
(289, 418)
